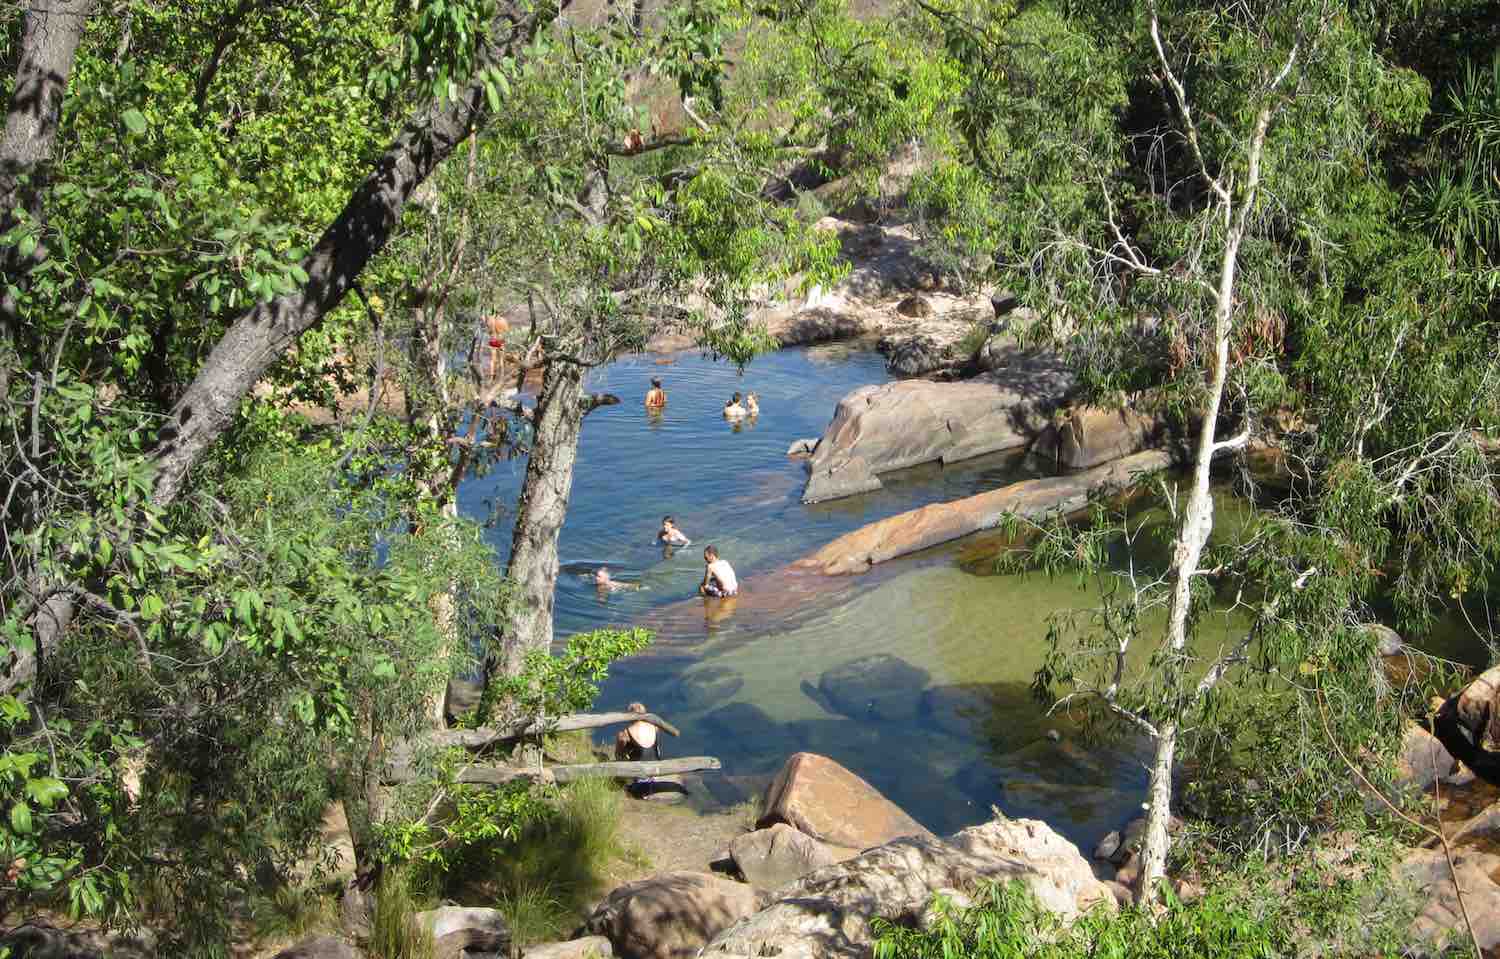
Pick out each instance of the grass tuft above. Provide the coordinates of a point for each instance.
(394, 931)
(544, 879)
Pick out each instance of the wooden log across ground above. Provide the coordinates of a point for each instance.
(485, 775)
(475, 738)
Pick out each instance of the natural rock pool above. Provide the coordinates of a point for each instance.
(916, 676)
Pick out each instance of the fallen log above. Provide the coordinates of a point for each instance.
(491, 775)
(634, 770)
(475, 738)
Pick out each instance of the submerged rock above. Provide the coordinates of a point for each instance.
(877, 429)
(829, 913)
(875, 687)
(819, 797)
(670, 916)
(708, 686)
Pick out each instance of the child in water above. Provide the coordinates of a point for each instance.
(733, 410)
(670, 535)
(752, 404)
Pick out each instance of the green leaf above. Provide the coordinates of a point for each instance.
(46, 791)
(135, 121)
(20, 819)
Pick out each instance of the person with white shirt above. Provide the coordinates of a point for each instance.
(718, 577)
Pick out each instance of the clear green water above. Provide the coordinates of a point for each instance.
(735, 488)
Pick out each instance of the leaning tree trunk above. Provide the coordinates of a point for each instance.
(259, 337)
(557, 422)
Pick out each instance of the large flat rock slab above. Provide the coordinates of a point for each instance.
(877, 429)
(939, 523)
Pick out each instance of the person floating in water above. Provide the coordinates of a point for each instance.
(656, 397)
(752, 404)
(733, 410)
(606, 584)
(632, 742)
(670, 535)
(718, 576)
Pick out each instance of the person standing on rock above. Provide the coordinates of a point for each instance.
(718, 576)
(656, 397)
(498, 327)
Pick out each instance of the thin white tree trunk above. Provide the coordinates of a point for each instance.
(1193, 532)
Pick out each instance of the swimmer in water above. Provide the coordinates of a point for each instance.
(752, 404)
(670, 535)
(656, 397)
(605, 584)
(733, 410)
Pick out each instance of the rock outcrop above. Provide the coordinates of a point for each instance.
(875, 687)
(1440, 923)
(588, 947)
(931, 525)
(771, 858)
(1088, 436)
(1468, 724)
(819, 797)
(828, 913)
(457, 930)
(321, 947)
(877, 429)
(670, 916)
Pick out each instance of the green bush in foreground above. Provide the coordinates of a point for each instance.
(1007, 922)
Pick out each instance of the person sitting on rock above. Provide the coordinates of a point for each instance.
(632, 742)
(733, 410)
(718, 576)
(752, 404)
(670, 535)
(656, 397)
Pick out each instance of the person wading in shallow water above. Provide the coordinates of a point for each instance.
(670, 535)
(656, 397)
(632, 742)
(718, 576)
(733, 410)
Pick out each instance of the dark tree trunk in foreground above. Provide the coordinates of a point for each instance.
(557, 422)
